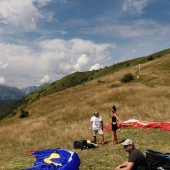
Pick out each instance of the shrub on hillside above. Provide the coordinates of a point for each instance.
(99, 81)
(150, 58)
(24, 114)
(14, 112)
(127, 78)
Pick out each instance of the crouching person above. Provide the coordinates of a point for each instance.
(136, 159)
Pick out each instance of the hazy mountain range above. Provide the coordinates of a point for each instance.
(13, 93)
(10, 93)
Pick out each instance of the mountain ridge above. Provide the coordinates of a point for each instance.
(10, 93)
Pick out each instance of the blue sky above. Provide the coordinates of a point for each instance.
(44, 40)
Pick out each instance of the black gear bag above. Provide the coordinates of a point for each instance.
(83, 144)
(157, 160)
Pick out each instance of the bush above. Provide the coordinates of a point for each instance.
(127, 78)
(150, 58)
(24, 114)
(99, 81)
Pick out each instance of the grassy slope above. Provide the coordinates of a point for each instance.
(58, 119)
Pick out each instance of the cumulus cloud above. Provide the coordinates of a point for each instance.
(72, 55)
(96, 66)
(45, 79)
(82, 60)
(2, 80)
(135, 6)
(24, 15)
(3, 65)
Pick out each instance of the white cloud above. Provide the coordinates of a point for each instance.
(2, 80)
(135, 6)
(24, 15)
(81, 62)
(45, 79)
(73, 55)
(96, 66)
(42, 2)
(5, 65)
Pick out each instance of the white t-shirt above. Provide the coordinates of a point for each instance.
(96, 122)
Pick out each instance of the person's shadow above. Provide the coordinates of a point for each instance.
(108, 141)
(121, 141)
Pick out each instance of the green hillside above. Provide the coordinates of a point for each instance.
(79, 78)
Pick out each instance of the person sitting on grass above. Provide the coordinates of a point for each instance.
(136, 159)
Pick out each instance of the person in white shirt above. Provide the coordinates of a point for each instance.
(96, 125)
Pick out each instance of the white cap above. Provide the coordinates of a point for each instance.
(127, 142)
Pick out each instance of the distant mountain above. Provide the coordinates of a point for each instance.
(10, 93)
(30, 89)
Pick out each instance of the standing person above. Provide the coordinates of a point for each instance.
(115, 119)
(136, 159)
(96, 125)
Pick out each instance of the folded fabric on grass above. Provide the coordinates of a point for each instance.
(142, 124)
(55, 159)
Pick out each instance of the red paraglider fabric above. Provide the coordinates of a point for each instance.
(142, 124)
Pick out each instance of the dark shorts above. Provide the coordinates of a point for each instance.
(114, 127)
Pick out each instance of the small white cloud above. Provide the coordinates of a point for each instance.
(42, 2)
(82, 60)
(133, 51)
(5, 65)
(2, 80)
(45, 79)
(96, 66)
(135, 6)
